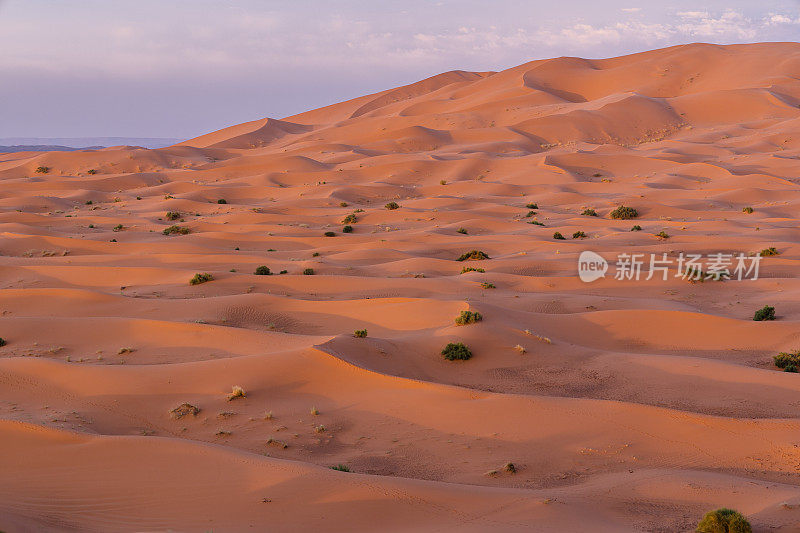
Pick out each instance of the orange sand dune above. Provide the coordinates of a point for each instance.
(622, 405)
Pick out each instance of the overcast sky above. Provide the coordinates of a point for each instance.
(161, 68)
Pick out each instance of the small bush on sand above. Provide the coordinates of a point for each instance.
(536, 223)
(184, 409)
(42, 170)
(747, 210)
(347, 229)
(557, 236)
(91, 171)
(474, 255)
(308, 272)
(341, 468)
(530, 214)
(222, 201)
(662, 235)
(277, 443)
(172, 215)
(456, 351)
(350, 219)
(391, 205)
(786, 359)
(724, 521)
(468, 317)
(236, 392)
(624, 213)
(330, 234)
(579, 235)
(176, 230)
(768, 252)
(314, 411)
(262, 270)
(118, 228)
(462, 231)
(532, 205)
(360, 333)
(2, 341)
(487, 285)
(765, 313)
(589, 213)
(200, 278)
(472, 269)
(637, 227)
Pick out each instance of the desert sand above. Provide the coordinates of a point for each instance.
(623, 405)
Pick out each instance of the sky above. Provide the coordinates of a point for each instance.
(181, 68)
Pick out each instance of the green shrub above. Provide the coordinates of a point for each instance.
(118, 227)
(341, 468)
(262, 271)
(330, 234)
(462, 231)
(530, 214)
(474, 255)
(579, 235)
(747, 210)
(536, 222)
(391, 205)
(2, 341)
(42, 170)
(724, 521)
(308, 272)
(283, 272)
(767, 252)
(624, 213)
(91, 171)
(468, 317)
(176, 230)
(589, 213)
(456, 351)
(765, 313)
(558, 236)
(785, 359)
(172, 215)
(662, 235)
(350, 219)
(347, 229)
(637, 227)
(360, 333)
(222, 201)
(487, 285)
(200, 278)
(532, 205)
(89, 202)
(471, 269)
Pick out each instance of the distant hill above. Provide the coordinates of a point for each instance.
(43, 148)
(63, 144)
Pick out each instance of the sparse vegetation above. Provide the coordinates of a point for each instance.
(222, 201)
(557, 236)
(579, 235)
(662, 235)
(342, 204)
(536, 222)
(462, 231)
(456, 351)
(308, 272)
(391, 206)
(637, 227)
(472, 269)
(724, 521)
(360, 333)
(788, 361)
(330, 234)
(747, 210)
(277, 443)
(474, 255)
(468, 317)
(201, 278)
(3, 341)
(262, 270)
(184, 409)
(487, 285)
(510, 468)
(347, 229)
(91, 171)
(236, 392)
(532, 205)
(765, 313)
(172, 215)
(341, 468)
(89, 202)
(442, 182)
(624, 213)
(768, 252)
(118, 228)
(314, 411)
(589, 213)
(42, 170)
(350, 219)
(176, 230)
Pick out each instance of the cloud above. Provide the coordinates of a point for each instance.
(631, 9)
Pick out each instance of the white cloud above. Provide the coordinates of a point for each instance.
(631, 9)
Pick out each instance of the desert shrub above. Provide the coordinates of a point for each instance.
(624, 213)
(42, 170)
(262, 271)
(747, 210)
(172, 215)
(790, 368)
(89, 202)
(342, 204)
(184, 409)
(91, 171)
(530, 214)
(2, 341)
(456, 351)
(347, 229)
(536, 222)
(532, 205)
(462, 231)
(589, 213)
(468, 317)
(785, 359)
(767, 252)
(724, 521)
(350, 219)
(487, 285)
(176, 230)
(558, 236)
(442, 182)
(360, 333)
(222, 201)
(662, 235)
(637, 227)
(236, 392)
(765, 313)
(578, 235)
(308, 272)
(341, 468)
(315, 254)
(201, 278)
(471, 269)
(330, 234)
(474, 255)
(118, 227)
(391, 205)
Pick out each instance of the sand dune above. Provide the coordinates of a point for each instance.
(623, 405)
